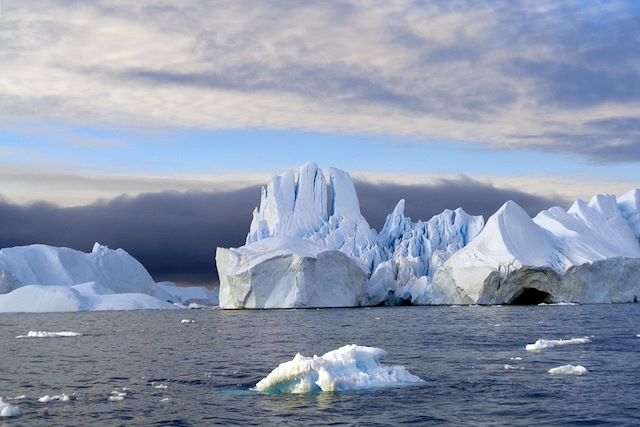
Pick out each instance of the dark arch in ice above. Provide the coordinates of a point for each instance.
(530, 296)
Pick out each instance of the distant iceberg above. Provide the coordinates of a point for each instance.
(41, 278)
(588, 254)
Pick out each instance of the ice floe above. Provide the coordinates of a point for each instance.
(187, 321)
(351, 367)
(47, 334)
(509, 367)
(58, 397)
(7, 410)
(568, 370)
(542, 344)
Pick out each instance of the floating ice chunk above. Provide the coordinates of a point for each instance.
(116, 398)
(7, 410)
(568, 370)
(513, 367)
(60, 397)
(187, 321)
(165, 399)
(515, 358)
(161, 386)
(542, 344)
(47, 334)
(347, 368)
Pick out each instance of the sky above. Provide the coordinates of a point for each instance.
(151, 125)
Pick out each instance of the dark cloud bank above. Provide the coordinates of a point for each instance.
(175, 234)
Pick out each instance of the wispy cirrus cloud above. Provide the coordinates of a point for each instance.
(537, 75)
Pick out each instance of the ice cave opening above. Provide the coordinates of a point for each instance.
(530, 296)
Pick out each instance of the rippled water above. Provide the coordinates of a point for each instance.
(210, 366)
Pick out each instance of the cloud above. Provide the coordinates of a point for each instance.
(175, 234)
(518, 74)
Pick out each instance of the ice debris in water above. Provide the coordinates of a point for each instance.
(513, 368)
(60, 397)
(350, 367)
(47, 334)
(568, 370)
(7, 410)
(542, 344)
(161, 386)
(187, 321)
(117, 396)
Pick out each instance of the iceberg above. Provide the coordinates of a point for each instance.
(589, 253)
(41, 278)
(575, 370)
(351, 367)
(543, 344)
(280, 272)
(7, 410)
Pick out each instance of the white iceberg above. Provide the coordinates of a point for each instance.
(40, 278)
(47, 334)
(568, 370)
(7, 410)
(587, 254)
(282, 272)
(351, 367)
(543, 344)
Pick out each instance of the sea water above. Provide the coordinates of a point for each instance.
(150, 368)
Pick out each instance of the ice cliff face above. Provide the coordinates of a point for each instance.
(453, 258)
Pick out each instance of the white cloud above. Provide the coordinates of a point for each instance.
(512, 74)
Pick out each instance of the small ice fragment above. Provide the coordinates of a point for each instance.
(45, 399)
(22, 396)
(638, 336)
(7, 410)
(542, 344)
(515, 358)
(497, 324)
(118, 393)
(47, 334)
(116, 398)
(187, 321)
(165, 399)
(513, 368)
(161, 387)
(568, 370)
(194, 306)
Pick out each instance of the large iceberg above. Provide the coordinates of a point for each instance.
(41, 278)
(590, 253)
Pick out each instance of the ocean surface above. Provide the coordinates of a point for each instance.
(203, 373)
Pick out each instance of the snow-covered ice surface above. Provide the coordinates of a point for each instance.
(40, 278)
(575, 370)
(587, 254)
(48, 334)
(543, 344)
(7, 410)
(351, 367)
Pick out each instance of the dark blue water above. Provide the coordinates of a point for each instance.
(209, 367)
